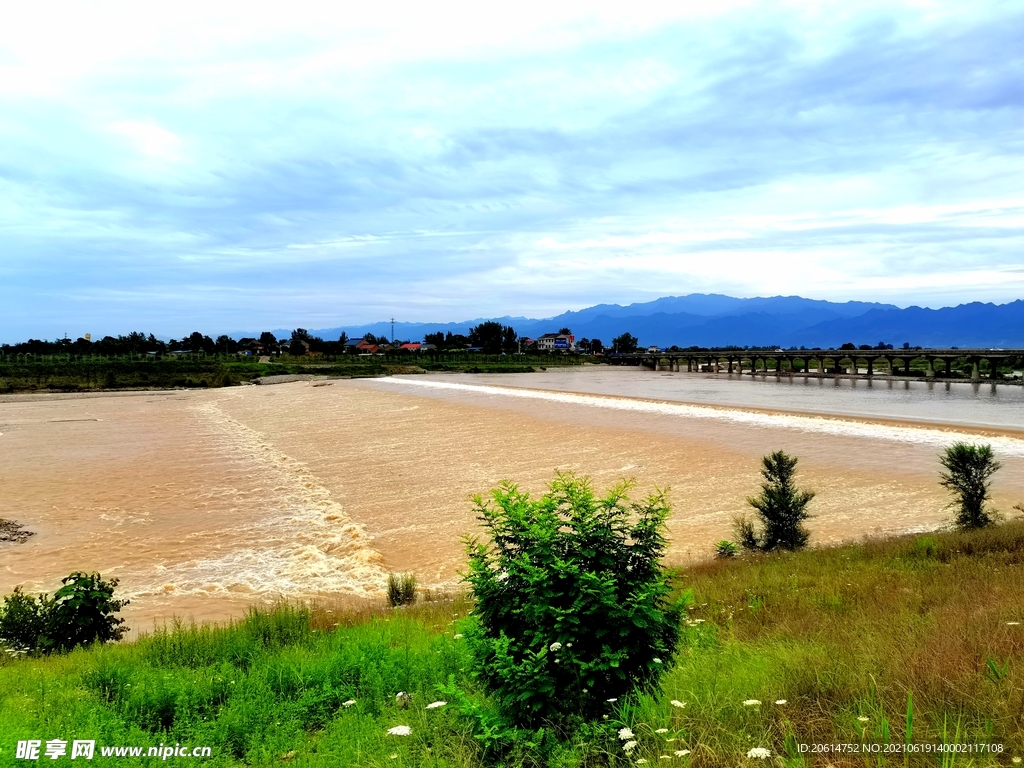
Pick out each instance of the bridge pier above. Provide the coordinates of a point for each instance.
(975, 371)
(929, 370)
(871, 367)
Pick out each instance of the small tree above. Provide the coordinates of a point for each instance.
(625, 343)
(781, 507)
(572, 603)
(969, 469)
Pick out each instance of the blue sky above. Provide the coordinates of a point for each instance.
(230, 167)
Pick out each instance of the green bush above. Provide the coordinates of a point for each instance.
(401, 589)
(969, 469)
(725, 548)
(572, 605)
(79, 613)
(781, 507)
(23, 622)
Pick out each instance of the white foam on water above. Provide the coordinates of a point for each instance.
(830, 425)
(297, 541)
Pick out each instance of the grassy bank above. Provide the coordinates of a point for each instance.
(911, 640)
(74, 373)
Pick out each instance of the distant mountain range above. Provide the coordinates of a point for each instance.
(713, 320)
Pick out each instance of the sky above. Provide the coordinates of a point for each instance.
(236, 167)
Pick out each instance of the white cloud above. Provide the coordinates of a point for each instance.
(460, 159)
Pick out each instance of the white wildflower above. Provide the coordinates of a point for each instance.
(393, 756)
(348, 703)
(568, 645)
(662, 730)
(759, 753)
(554, 647)
(501, 576)
(400, 730)
(436, 704)
(781, 702)
(863, 719)
(1015, 760)
(656, 661)
(641, 760)
(629, 746)
(625, 734)
(751, 703)
(457, 637)
(682, 752)
(611, 701)
(677, 703)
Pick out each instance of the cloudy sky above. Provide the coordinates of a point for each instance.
(237, 167)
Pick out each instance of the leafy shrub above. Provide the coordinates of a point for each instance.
(725, 548)
(79, 613)
(969, 469)
(572, 605)
(23, 621)
(401, 589)
(781, 507)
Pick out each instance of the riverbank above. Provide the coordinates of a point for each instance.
(916, 640)
(92, 373)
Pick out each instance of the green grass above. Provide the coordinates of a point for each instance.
(908, 634)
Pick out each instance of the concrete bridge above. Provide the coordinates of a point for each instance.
(824, 362)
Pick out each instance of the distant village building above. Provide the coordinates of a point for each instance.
(557, 341)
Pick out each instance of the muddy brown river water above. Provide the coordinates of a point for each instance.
(205, 502)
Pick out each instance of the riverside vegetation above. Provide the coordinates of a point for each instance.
(74, 373)
(915, 640)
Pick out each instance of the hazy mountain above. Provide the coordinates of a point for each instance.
(967, 325)
(713, 320)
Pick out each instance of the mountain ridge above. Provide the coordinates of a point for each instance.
(715, 320)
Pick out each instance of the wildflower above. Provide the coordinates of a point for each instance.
(611, 701)
(751, 703)
(1015, 760)
(457, 637)
(393, 756)
(641, 760)
(629, 746)
(400, 730)
(681, 752)
(348, 703)
(555, 647)
(759, 752)
(656, 661)
(625, 734)
(780, 702)
(662, 730)
(568, 645)
(436, 704)
(677, 703)
(863, 719)
(501, 576)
